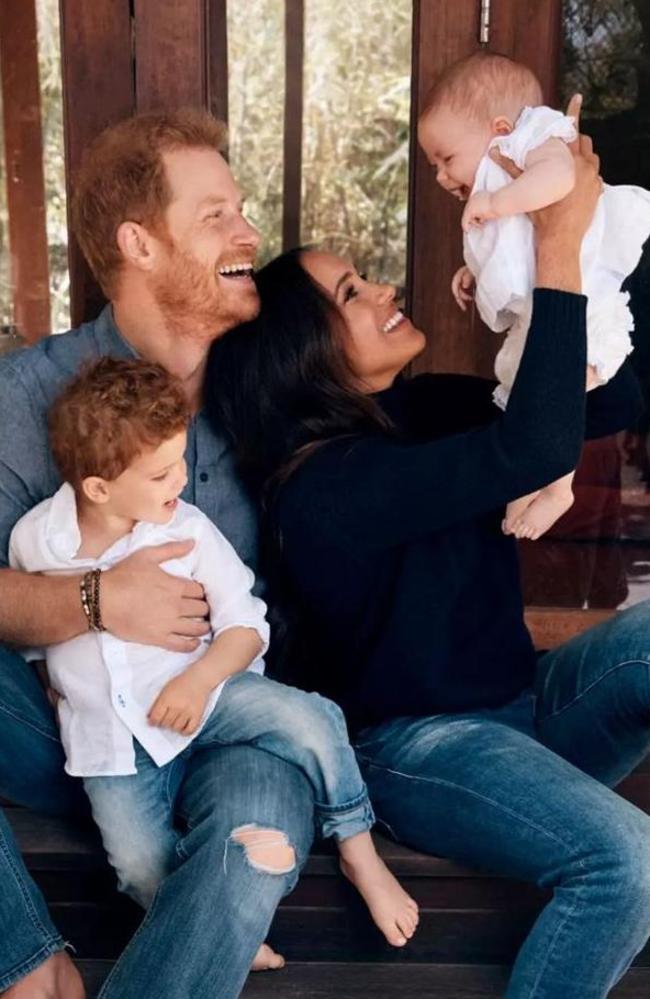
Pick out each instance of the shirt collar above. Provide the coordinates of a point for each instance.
(108, 336)
(62, 527)
(62, 530)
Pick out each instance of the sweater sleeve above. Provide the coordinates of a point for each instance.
(375, 492)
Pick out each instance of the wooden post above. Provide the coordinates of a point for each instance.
(98, 90)
(294, 29)
(528, 30)
(456, 340)
(170, 56)
(531, 32)
(21, 102)
(218, 59)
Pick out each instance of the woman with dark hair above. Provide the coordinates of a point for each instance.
(382, 503)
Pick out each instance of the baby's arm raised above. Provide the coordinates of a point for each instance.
(548, 177)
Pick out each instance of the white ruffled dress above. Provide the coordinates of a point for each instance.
(501, 256)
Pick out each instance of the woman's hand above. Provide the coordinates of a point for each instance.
(560, 227)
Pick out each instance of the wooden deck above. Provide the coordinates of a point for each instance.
(471, 924)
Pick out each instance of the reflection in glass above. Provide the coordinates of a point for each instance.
(598, 555)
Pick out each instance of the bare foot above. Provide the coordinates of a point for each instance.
(267, 960)
(542, 514)
(515, 511)
(393, 910)
(56, 978)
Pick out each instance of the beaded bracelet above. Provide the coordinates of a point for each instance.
(89, 590)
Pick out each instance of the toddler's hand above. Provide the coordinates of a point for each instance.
(479, 209)
(180, 704)
(462, 287)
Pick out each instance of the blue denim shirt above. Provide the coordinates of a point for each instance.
(29, 382)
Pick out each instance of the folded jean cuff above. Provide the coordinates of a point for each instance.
(347, 806)
(52, 946)
(343, 824)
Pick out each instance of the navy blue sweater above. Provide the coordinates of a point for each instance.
(408, 593)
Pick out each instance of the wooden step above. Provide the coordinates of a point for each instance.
(333, 980)
(466, 917)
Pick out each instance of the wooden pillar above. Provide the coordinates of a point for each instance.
(21, 102)
(124, 56)
(528, 30)
(98, 90)
(170, 54)
(218, 59)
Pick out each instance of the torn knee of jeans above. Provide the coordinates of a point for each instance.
(267, 850)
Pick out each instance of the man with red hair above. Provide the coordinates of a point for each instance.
(159, 218)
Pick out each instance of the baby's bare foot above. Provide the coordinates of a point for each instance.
(56, 978)
(515, 512)
(393, 910)
(542, 514)
(267, 960)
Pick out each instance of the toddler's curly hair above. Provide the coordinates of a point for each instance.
(112, 411)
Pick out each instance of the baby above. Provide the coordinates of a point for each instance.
(128, 711)
(487, 101)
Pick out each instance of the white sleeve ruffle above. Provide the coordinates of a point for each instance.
(533, 128)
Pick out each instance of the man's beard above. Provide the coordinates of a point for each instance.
(188, 294)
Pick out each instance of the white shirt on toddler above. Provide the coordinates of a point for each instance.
(109, 685)
(501, 256)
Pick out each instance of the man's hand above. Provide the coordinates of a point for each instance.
(479, 209)
(462, 285)
(140, 602)
(180, 704)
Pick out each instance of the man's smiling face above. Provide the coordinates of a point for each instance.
(209, 248)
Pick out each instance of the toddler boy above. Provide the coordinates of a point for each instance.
(131, 714)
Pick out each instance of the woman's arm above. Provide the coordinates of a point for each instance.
(376, 492)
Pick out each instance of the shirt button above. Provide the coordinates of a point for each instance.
(121, 701)
(204, 476)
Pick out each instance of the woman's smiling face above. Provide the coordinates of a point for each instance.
(380, 340)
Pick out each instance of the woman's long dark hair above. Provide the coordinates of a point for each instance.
(280, 387)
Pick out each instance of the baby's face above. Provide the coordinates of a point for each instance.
(454, 145)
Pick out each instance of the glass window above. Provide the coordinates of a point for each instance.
(356, 122)
(49, 63)
(357, 77)
(256, 113)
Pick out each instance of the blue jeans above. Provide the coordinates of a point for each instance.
(135, 812)
(522, 791)
(220, 791)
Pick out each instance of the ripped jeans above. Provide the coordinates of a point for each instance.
(211, 914)
(135, 812)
